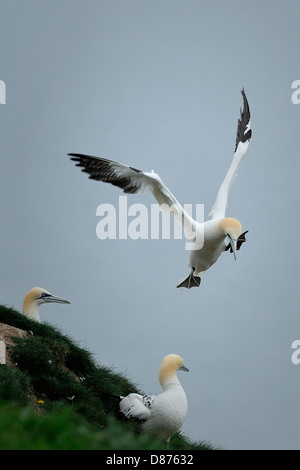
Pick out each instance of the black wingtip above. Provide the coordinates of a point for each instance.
(75, 157)
(81, 155)
(246, 109)
(243, 121)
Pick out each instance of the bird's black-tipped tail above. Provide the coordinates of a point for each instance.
(190, 281)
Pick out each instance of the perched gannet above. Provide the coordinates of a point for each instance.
(161, 414)
(34, 298)
(214, 231)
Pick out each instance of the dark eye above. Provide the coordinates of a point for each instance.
(43, 295)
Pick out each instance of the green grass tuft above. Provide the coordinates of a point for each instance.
(14, 385)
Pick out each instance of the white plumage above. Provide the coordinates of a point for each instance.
(162, 414)
(212, 233)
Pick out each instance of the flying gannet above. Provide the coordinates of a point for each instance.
(215, 231)
(34, 298)
(162, 414)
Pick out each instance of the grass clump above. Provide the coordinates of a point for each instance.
(14, 385)
(56, 396)
(63, 429)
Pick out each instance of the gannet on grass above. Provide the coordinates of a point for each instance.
(215, 231)
(34, 298)
(162, 414)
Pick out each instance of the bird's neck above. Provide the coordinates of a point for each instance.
(169, 382)
(213, 231)
(31, 310)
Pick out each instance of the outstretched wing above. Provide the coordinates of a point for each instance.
(132, 180)
(243, 137)
(136, 407)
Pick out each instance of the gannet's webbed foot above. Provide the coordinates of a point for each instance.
(242, 239)
(190, 281)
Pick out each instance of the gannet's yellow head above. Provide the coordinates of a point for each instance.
(233, 229)
(168, 368)
(37, 296)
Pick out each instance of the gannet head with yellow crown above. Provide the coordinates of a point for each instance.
(232, 228)
(37, 296)
(168, 370)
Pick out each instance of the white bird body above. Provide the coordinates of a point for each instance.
(34, 298)
(132, 180)
(214, 244)
(168, 412)
(162, 414)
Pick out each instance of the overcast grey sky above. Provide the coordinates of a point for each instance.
(156, 84)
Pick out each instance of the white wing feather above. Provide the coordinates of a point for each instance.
(132, 180)
(136, 406)
(242, 142)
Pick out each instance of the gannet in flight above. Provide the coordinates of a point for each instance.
(34, 298)
(215, 231)
(162, 414)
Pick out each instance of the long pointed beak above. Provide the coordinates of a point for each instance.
(233, 246)
(183, 367)
(58, 300)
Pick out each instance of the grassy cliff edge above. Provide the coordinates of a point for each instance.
(54, 396)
